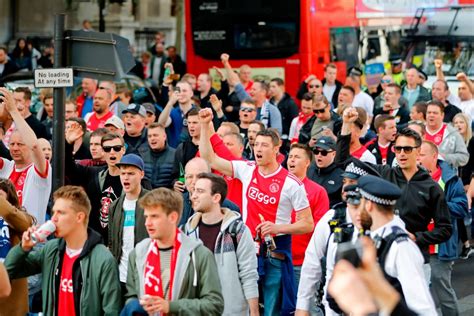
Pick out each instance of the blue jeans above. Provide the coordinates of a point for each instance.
(272, 287)
(133, 307)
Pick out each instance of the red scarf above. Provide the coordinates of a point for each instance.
(153, 283)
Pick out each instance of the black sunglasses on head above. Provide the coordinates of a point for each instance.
(116, 148)
(406, 149)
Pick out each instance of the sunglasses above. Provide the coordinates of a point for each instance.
(385, 81)
(323, 153)
(247, 109)
(320, 111)
(314, 86)
(116, 148)
(406, 149)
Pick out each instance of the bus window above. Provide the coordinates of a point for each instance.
(345, 45)
(256, 29)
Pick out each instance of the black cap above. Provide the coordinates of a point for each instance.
(378, 190)
(352, 194)
(396, 59)
(356, 169)
(422, 74)
(355, 72)
(325, 143)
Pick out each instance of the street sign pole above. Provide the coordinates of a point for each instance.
(59, 99)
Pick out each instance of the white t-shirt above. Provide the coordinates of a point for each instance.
(467, 107)
(363, 100)
(33, 191)
(128, 236)
(328, 91)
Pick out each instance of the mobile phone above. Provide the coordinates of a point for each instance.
(351, 252)
(177, 89)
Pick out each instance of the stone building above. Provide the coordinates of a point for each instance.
(137, 20)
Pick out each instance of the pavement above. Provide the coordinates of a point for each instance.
(463, 280)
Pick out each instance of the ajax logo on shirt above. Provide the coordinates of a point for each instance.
(255, 194)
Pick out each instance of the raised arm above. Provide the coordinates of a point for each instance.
(205, 147)
(439, 71)
(27, 134)
(164, 119)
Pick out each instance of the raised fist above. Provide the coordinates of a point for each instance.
(224, 58)
(205, 116)
(350, 115)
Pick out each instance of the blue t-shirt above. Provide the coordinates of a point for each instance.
(87, 106)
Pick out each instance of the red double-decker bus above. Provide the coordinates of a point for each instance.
(282, 38)
(293, 38)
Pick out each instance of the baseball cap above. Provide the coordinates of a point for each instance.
(135, 109)
(396, 59)
(150, 108)
(355, 72)
(326, 143)
(115, 121)
(132, 160)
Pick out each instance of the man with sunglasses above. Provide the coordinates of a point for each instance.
(325, 171)
(312, 85)
(101, 183)
(421, 200)
(324, 118)
(247, 114)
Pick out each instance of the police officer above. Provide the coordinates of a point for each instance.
(340, 224)
(398, 255)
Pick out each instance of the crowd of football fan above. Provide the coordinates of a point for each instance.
(237, 201)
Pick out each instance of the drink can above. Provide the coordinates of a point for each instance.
(43, 232)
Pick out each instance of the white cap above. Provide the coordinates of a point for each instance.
(115, 121)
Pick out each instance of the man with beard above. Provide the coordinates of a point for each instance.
(398, 255)
(101, 112)
(254, 128)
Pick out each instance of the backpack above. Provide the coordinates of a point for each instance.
(233, 229)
